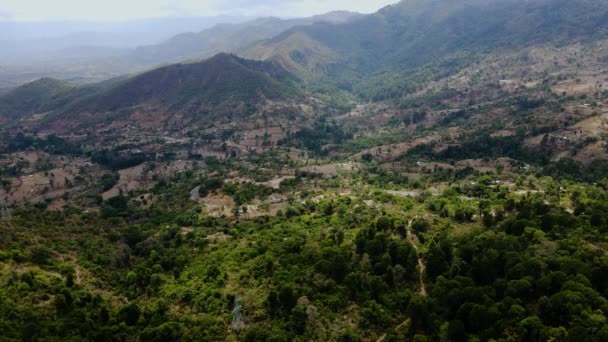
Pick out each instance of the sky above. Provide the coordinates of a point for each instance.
(121, 10)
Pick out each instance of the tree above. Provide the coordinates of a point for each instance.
(40, 254)
(129, 314)
(436, 260)
(420, 310)
(61, 304)
(287, 297)
(456, 331)
(384, 223)
(420, 225)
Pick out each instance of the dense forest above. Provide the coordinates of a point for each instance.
(480, 260)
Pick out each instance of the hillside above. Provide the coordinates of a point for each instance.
(450, 72)
(224, 86)
(223, 78)
(40, 96)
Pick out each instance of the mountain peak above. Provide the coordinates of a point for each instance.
(224, 57)
(337, 17)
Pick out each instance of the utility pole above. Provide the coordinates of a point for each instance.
(237, 321)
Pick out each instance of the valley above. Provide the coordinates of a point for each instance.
(434, 171)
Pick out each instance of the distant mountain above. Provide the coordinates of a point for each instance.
(34, 53)
(121, 34)
(89, 56)
(227, 38)
(38, 42)
(77, 70)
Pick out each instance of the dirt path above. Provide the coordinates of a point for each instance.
(404, 323)
(413, 239)
(421, 265)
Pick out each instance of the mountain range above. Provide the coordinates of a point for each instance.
(398, 56)
(85, 57)
(416, 33)
(227, 38)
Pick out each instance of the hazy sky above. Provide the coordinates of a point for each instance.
(112, 10)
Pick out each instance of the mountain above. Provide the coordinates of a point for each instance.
(88, 52)
(222, 86)
(24, 43)
(414, 33)
(227, 38)
(223, 78)
(32, 53)
(118, 34)
(528, 74)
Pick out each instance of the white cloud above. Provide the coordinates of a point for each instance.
(115, 10)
